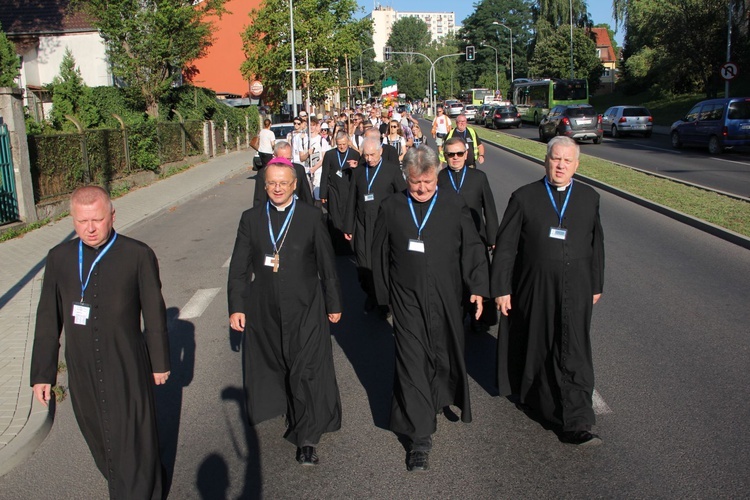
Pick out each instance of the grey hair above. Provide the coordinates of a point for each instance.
(564, 141)
(419, 161)
(341, 134)
(279, 145)
(372, 143)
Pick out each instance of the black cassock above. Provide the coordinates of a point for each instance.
(334, 183)
(110, 360)
(476, 192)
(425, 291)
(303, 191)
(545, 358)
(287, 355)
(361, 214)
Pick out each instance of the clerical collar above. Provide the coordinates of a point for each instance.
(283, 207)
(558, 188)
(103, 243)
(457, 171)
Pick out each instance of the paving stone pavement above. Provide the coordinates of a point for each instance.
(24, 422)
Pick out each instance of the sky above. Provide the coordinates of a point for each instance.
(599, 10)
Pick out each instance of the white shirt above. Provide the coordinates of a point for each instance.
(266, 139)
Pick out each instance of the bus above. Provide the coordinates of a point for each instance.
(534, 98)
(476, 96)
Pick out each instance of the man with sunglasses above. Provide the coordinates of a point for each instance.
(472, 185)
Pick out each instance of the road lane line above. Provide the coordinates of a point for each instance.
(226, 264)
(600, 407)
(200, 301)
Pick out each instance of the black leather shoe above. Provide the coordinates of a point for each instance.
(307, 456)
(580, 438)
(418, 461)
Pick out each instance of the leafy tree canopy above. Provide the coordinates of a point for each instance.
(9, 63)
(151, 42)
(71, 96)
(325, 29)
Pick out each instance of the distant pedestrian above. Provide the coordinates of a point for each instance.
(266, 139)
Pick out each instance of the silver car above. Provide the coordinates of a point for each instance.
(622, 120)
(471, 112)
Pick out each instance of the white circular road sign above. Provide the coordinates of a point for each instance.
(729, 71)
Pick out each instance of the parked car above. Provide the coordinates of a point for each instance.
(470, 111)
(454, 109)
(482, 112)
(503, 116)
(577, 121)
(622, 120)
(716, 123)
(280, 130)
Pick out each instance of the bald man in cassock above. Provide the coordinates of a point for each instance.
(282, 291)
(97, 287)
(371, 184)
(338, 165)
(547, 274)
(425, 251)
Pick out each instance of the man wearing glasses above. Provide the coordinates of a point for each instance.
(472, 185)
(283, 149)
(282, 292)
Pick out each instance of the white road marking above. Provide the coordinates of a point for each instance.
(600, 407)
(200, 301)
(226, 264)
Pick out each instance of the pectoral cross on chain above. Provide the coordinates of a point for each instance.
(275, 262)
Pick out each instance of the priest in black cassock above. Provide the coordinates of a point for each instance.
(371, 184)
(547, 273)
(283, 149)
(338, 165)
(388, 152)
(282, 292)
(426, 250)
(472, 185)
(97, 287)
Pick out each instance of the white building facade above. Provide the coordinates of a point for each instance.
(440, 24)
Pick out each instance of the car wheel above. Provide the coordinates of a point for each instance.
(714, 146)
(597, 140)
(615, 133)
(542, 137)
(676, 142)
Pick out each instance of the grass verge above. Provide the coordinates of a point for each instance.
(709, 206)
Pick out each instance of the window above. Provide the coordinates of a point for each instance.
(692, 114)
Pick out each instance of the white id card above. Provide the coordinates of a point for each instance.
(558, 233)
(81, 313)
(369, 197)
(416, 246)
(340, 173)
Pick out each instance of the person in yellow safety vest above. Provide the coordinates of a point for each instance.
(472, 140)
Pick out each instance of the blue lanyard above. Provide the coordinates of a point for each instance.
(96, 261)
(559, 213)
(367, 174)
(341, 162)
(461, 184)
(427, 215)
(275, 239)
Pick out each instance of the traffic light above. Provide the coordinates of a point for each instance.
(469, 52)
(434, 88)
(386, 53)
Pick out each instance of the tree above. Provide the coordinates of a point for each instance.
(151, 42)
(551, 56)
(9, 63)
(558, 12)
(409, 34)
(478, 29)
(71, 96)
(325, 29)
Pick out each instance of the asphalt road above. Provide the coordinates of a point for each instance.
(670, 352)
(728, 172)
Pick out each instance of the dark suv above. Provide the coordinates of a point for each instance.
(577, 121)
(716, 123)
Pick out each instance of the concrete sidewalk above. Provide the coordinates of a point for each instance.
(24, 422)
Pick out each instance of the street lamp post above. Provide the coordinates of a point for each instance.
(294, 64)
(497, 82)
(511, 47)
(572, 73)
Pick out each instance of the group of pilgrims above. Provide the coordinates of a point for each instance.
(430, 255)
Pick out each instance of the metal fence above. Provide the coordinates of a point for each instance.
(8, 198)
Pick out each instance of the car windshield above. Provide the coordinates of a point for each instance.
(281, 131)
(635, 112)
(576, 112)
(739, 110)
(507, 109)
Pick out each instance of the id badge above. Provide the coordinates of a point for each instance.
(340, 173)
(369, 197)
(416, 246)
(81, 312)
(270, 261)
(558, 233)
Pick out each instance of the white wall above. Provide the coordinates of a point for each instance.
(42, 64)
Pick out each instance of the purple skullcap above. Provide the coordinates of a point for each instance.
(278, 160)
